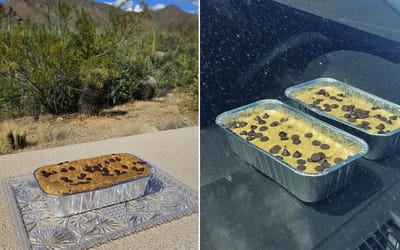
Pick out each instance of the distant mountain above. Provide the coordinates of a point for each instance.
(170, 18)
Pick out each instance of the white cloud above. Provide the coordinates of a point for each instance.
(109, 3)
(196, 3)
(158, 6)
(126, 5)
(138, 8)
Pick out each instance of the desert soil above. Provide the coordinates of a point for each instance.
(161, 113)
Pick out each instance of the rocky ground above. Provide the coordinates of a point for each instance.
(161, 113)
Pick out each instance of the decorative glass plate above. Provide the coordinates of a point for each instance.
(165, 199)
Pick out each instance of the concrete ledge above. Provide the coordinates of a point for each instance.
(174, 151)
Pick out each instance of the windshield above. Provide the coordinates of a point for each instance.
(254, 50)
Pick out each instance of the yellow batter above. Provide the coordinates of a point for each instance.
(380, 121)
(291, 126)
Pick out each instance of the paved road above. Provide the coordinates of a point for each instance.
(174, 151)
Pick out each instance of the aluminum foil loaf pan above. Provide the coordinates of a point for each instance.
(364, 125)
(79, 202)
(290, 150)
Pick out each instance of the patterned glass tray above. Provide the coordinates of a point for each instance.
(165, 199)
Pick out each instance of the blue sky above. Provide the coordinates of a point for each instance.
(132, 5)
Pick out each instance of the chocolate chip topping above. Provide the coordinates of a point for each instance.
(381, 126)
(285, 152)
(253, 127)
(265, 116)
(301, 167)
(338, 159)
(325, 146)
(325, 163)
(319, 168)
(301, 162)
(296, 142)
(64, 170)
(274, 124)
(316, 143)
(264, 138)
(308, 135)
(250, 138)
(124, 166)
(244, 132)
(263, 128)
(72, 168)
(275, 149)
(258, 135)
(315, 157)
(297, 154)
(284, 119)
(295, 137)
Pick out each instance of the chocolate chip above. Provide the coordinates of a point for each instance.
(117, 171)
(263, 128)
(325, 164)
(141, 169)
(111, 160)
(301, 162)
(345, 108)
(393, 117)
(118, 159)
(352, 119)
(261, 121)
(285, 152)
(325, 146)
(253, 127)
(295, 137)
(284, 138)
(364, 123)
(265, 116)
(341, 95)
(72, 168)
(124, 166)
(389, 122)
(377, 116)
(296, 142)
(64, 170)
(282, 134)
(251, 133)
(264, 138)
(274, 124)
(250, 138)
(301, 167)
(308, 135)
(375, 107)
(297, 154)
(338, 159)
(328, 109)
(244, 132)
(275, 149)
(347, 115)
(316, 143)
(242, 124)
(322, 155)
(319, 168)
(89, 179)
(334, 106)
(315, 157)
(380, 126)
(284, 119)
(381, 132)
(258, 135)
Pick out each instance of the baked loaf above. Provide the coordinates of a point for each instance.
(90, 174)
(354, 109)
(290, 139)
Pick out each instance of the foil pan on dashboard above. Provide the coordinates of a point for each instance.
(380, 145)
(305, 186)
(69, 204)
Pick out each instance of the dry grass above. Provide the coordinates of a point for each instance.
(129, 119)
